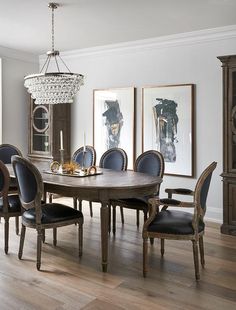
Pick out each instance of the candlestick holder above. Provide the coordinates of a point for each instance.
(83, 168)
(60, 170)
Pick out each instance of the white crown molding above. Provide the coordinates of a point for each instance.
(6, 52)
(187, 38)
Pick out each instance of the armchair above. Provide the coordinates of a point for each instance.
(180, 225)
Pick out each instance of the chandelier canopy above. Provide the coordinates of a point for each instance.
(53, 87)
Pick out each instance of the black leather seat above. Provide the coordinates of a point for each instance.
(174, 222)
(179, 225)
(37, 215)
(10, 205)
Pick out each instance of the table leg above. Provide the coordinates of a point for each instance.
(104, 212)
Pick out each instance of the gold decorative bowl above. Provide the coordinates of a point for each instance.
(69, 168)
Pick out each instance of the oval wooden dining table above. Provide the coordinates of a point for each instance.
(101, 188)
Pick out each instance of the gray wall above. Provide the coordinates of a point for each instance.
(15, 65)
(175, 60)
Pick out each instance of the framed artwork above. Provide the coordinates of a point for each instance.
(168, 125)
(113, 121)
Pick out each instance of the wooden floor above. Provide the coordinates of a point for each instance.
(66, 282)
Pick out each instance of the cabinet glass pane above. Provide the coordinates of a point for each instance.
(40, 139)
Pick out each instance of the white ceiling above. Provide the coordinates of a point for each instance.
(26, 24)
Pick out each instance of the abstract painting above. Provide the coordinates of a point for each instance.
(113, 125)
(168, 125)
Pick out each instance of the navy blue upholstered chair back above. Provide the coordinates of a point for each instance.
(89, 156)
(29, 182)
(202, 187)
(115, 159)
(7, 151)
(150, 162)
(4, 179)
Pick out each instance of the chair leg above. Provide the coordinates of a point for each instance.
(122, 215)
(162, 247)
(22, 239)
(43, 235)
(80, 228)
(80, 205)
(201, 248)
(145, 215)
(6, 232)
(17, 224)
(145, 256)
(114, 219)
(54, 236)
(39, 248)
(50, 197)
(195, 258)
(137, 218)
(91, 208)
(152, 241)
(75, 202)
(109, 218)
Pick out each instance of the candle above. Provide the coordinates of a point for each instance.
(61, 140)
(84, 142)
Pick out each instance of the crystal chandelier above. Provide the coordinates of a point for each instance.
(53, 87)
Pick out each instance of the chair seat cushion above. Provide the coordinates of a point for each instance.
(133, 203)
(14, 204)
(53, 213)
(174, 222)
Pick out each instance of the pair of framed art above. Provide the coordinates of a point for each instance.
(167, 123)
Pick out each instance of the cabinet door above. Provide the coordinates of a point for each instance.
(232, 204)
(40, 129)
(232, 120)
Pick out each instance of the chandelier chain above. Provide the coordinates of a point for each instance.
(53, 29)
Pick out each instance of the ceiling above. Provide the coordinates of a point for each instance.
(26, 24)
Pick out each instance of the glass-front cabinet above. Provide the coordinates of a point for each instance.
(229, 144)
(45, 124)
(41, 134)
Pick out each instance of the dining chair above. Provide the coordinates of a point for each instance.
(180, 225)
(6, 152)
(152, 163)
(114, 159)
(84, 159)
(10, 205)
(38, 215)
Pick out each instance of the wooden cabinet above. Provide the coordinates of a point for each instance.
(229, 144)
(45, 124)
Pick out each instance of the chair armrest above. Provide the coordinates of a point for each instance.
(179, 191)
(153, 209)
(168, 202)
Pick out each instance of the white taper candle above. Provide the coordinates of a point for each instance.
(84, 142)
(61, 140)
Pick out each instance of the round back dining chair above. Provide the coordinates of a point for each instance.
(10, 205)
(115, 159)
(37, 214)
(84, 159)
(180, 225)
(6, 152)
(150, 162)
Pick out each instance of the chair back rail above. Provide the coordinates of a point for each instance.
(115, 159)
(86, 159)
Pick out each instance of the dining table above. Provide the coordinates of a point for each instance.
(103, 187)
